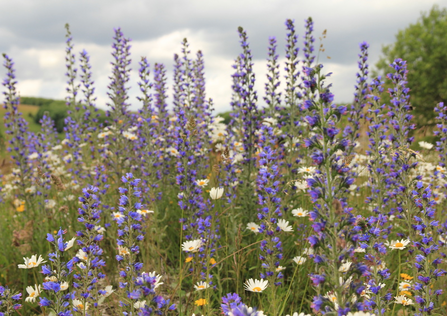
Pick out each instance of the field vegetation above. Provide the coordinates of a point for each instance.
(301, 207)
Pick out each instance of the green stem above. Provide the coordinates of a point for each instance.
(398, 280)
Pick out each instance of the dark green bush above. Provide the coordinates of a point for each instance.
(36, 101)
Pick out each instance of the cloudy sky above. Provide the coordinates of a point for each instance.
(32, 33)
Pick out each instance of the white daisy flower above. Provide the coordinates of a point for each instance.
(33, 293)
(70, 243)
(144, 212)
(70, 197)
(64, 286)
(32, 262)
(202, 182)
(82, 255)
(306, 170)
(117, 215)
(33, 156)
(299, 212)
(308, 251)
(216, 193)
(104, 134)
(139, 304)
(100, 229)
(440, 169)
(256, 285)
(79, 306)
(130, 136)
(50, 279)
(405, 286)
(280, 268)
(108, 290)
(402, 299)
(301, 185)
(174, 152)
(332, 297)
(192, 245)
(299, 260)
(123, 251)
(284, 225)
(345, 266)
(253, 227)
(425, 145)
(201, 286)
(398, 244)
(50, 204)
(31, 190)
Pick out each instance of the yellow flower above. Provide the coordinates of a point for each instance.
(21, 207)
(212, 261)
(406, 276)
(200, 302)
(189, 259)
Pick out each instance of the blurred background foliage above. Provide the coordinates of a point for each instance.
(424, 46)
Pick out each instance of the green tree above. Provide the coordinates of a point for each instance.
(424, 46)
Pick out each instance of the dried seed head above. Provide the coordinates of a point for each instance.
(336, 205)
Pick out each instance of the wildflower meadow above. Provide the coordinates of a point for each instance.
(298, 206)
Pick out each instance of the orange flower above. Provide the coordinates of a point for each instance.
(189, 259)
(212, 261)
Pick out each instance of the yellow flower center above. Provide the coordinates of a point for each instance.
(257, 289)
(406, 286)
(333, 298)
(300, 214)
(201, 182)
(117, 215)
(201, 286)
(253, 228)
(32, 294)
(398, 245)
(191, 248)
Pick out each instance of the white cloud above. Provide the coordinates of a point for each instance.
(36, 40)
